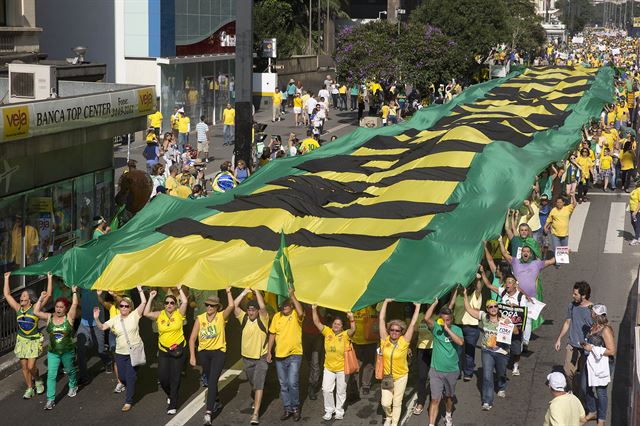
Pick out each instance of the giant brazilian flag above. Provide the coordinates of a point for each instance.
(396, 212)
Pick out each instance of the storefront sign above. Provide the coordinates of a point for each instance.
(222, 41)
(52, 116)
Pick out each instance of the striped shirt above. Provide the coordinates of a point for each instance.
(201, 130)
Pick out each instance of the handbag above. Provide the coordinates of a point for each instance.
(136, 353)
(387, 379)
(379, 366)
(351, 363)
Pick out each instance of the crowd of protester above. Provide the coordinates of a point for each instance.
(348, 352)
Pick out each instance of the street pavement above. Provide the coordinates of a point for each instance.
(599, 236)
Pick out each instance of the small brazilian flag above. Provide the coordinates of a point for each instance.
(281, 277)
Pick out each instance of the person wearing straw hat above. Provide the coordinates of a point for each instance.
(212, 346)
(565, 409)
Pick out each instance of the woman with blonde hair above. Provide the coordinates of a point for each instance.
(395, 338)
(601, 348)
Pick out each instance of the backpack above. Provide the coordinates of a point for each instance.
(261, 326)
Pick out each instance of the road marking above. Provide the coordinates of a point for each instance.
(200, 400)
(409, 407)
(609, 194)
(615, 229)
(342, 126)
(576, 225)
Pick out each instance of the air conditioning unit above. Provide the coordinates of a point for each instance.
(28, 82)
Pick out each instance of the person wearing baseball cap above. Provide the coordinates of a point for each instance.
(208, 329)
(565, 409)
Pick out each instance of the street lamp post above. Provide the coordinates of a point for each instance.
(384, 12)
(399, 12)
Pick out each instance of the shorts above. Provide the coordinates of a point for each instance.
(297, 110)
(28, 348)
(442, 384)
(606, 173)
(256, 371)
(203, 146)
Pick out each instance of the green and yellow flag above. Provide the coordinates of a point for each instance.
(397, 212)
(281, 277)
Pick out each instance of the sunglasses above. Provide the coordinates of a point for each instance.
(209, 305)
(124, 306)
(169, 302)
(492, 306)
(395, 330)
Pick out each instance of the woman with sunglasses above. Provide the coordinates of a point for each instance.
(212, 346)
(171, 343)
(495, 355)
(395, 337)
(587, 169)
(62, 348)
(126, 321)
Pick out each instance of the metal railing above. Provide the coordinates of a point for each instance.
(7, 43)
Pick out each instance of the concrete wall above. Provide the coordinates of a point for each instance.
(70, 23)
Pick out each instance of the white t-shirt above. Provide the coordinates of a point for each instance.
(131, 324)
(202, 129)
(311, 105)
(513, 300)
(323, 93)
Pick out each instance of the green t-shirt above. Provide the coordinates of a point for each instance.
(445, 354)
(496, 283)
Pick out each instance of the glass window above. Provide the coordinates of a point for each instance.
(85, 203)
(104, 195)
(64, 218)
(11, 213)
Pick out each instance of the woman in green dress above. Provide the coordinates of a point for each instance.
(61, 346)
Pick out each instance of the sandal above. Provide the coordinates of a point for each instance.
(417, 410)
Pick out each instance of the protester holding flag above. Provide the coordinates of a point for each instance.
(209, 331)
(286, 334)
(336, 340)
(395, 337)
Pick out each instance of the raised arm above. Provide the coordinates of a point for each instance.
(184, 300)
(147, 309)
(382, 323)
(143, 301)
(7, 293)
(49, 287)
(74, 304)
(489, 258)
(296, 303)
(231, 305)
(467, 306)
(261, 304)
(352, 324)
(507, 224)
(506, 255)
(104, 303)
(408, 335)
(96, 317)
(237, 310)
(316, 317)
(192, 342)
(429, 313)
(514, 222)
(37, 308)
(530, 213)
(550, 262)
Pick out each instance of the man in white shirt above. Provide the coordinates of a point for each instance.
(202, 133)
(311, 106)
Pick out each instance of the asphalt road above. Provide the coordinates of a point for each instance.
(599, 231)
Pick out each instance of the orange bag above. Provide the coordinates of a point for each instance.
(351, 363)
(379, 367)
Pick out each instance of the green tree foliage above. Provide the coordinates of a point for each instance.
(576, 14)
(525, 26)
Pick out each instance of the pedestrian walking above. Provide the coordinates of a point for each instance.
(565, 409)
(202, 134)
(171, 343)
(229, 125)
(61, 346)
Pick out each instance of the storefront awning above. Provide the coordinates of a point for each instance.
(175, 60)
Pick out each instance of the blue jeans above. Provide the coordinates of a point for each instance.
(559, 241)
(127, 375)
(491, 360)
(597, 403)
(468, 357)
(183, 139)
(636, 227)
(228, 132)
(288, 370)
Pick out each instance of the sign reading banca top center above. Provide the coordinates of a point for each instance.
(22, 121)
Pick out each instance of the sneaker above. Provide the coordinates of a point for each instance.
(207, 419)
(172, 411)
(119, 388)
(108, 368)
(634, 242)
(168, 401)
(49, 405)
(486, 406)
(72, 392)
(39, 387)
(502, 394)
(297, 415)
(516, 370)
(29, 393)
(254, 420)
(467, 378)
(327, 416)
(339, 416)
(448, 421)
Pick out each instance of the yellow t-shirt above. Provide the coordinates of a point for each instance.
(559, 220)
(460, 314)
(229, 116)
(610, 138)
(155, 119)
(151, 137)
(277, 99)
(288, 331)
(170, 331)
(611, 116)
(334, 349)
(181, 191)
(342, 90)
(534, 222)
(171, 184)
(626, 160)
(400, 366)
(253, 338)
(211, 335)
(585, 164)
(385, 111)
(113, 311)
(308, 145)
(425, 335)
(297, 102)
(605, 162)
(359, 317)
(634, 198)
(622, 113)
(183, 124)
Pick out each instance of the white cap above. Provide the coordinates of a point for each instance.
(557, 381)
(599, 309)
(181, 110)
